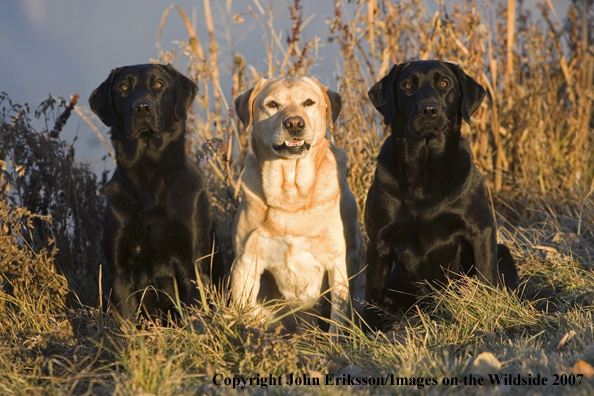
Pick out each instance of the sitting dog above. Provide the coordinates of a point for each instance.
(158, 232)
(297, 221)
(427, 215)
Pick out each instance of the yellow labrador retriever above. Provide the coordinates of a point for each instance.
(298, 219)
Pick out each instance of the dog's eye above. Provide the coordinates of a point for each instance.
(309, 102)
(407, 86)
(444, 84)
(272, 104)
(158, 85)
(123, 87)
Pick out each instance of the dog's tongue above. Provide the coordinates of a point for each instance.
(293, 143)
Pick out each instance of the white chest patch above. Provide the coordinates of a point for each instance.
(297, 271)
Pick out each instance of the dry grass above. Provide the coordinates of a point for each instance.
(532, 140)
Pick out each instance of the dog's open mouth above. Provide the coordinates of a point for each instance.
(294, 143)
(292, 147)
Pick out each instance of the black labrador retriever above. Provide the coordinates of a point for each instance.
(427, 214)
(157, 220)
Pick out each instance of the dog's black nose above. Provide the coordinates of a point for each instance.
(294, 124)
(142, 107)
(428, 110)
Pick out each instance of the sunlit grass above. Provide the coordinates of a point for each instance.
(531, 139)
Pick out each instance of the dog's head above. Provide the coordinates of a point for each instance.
(426, 98)
(143, 100)
(289, 115)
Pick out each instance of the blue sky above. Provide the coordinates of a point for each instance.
(65, 47)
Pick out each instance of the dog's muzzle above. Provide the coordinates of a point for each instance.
(428, 120)
(143, 119)
(294, 144)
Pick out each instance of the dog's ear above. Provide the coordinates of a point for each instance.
(333, 103)
(101, 102)
(382, 94)
(471, 92)
(186, 92)
(244, 104)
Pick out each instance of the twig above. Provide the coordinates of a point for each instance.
(97, 132)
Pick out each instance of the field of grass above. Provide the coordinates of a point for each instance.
(531, 139)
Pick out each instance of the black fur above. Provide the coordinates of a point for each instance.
(427, 215)
(157, 220)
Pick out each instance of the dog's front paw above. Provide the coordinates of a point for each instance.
(255, 315)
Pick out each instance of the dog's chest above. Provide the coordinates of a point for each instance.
(288, 185)
(423, 232)
(297, 271)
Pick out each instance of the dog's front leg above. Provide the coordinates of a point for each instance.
(245, 280)
(338, 281)
(124, 297)
(379, 266)
(485, 255)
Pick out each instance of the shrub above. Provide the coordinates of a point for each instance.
(40, 175)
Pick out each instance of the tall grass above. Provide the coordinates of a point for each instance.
(531, 139)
